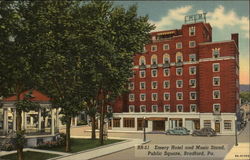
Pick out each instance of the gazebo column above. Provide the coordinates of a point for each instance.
(57, 119)
(24, 120)
(52, 122)
(5, 120)
(39, 120)
(14, 119)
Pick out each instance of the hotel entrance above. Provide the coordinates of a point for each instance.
(159, 125)
(217, 126)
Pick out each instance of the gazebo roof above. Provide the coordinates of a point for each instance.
(38, 96)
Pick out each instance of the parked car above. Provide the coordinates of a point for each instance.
(178, 131)
(204, 132)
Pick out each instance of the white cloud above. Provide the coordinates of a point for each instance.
(172, 16)
(220, 19)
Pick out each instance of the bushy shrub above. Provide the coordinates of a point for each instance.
(8, 146)
(60, 141)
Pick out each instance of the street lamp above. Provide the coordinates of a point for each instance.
(236, 139)
(144, 129)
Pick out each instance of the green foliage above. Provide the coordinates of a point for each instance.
(26, 104)
(245, 97)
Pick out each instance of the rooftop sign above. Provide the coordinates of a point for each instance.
(195, 18)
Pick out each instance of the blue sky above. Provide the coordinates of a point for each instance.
(226, 17)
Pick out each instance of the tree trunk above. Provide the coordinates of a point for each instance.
(68, 146)
(93, 125)
(101, 123)
(19, 129)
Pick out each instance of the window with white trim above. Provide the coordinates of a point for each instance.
(192, 57)
(142, 60)
(192, 31)
(193, 96)
(154, 108)
(131, 97)
(142, 108)
(131, 108)
(142, 74)
(131, 86)
(179, 71)
(166, 84)
(179, 57)
(153, 48)
(154, 59)
(154, 72)
(154, 96)
(193, 107)
(179, 108)
(207, 123)
(166, 58)
(179, 45)
(143, 97)
(166, 72)
(192, 70)
(165, 47)
(216, 81)
(154, 85)
(166, 108)
(179, 83)
(192, 83)
(227, 124)
(216, 108)
(142, 85)
(216, 67)
(216, 94)
(216, 52)
(166, 96)
(179, 96)
(192, 44)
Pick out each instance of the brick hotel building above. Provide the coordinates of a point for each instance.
(182, 79)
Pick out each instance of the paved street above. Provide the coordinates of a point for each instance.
(129, 154)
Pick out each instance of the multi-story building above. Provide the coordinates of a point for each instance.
(182, 79)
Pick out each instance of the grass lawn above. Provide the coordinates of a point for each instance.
(78, 145)
(30, 155)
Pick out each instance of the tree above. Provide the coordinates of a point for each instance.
(245, 97)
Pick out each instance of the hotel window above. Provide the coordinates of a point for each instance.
(216, 81)
(216, 108)
(179, 108)
(207, 124)
(166, 59)
(131, 86)
(179, 83)
(178, 71)
(166, 96)
(143, 108)
(154, 59)
(165, 47)
(154, 85)
(191, 31)
(128, 122)
(131, 108)
(154, 108)
(216, 94)
(153, 48)
(166, 108)
(144, 49)
(116, 122)
(142, 85)
(142, 97)
(192, 57)
(192, 70)
(166, 84)
(132, 75)
(154, 96)
(178, 45)
(192, 83)
(179, 57)
(142, 74)
(179, 96)
(216, 52)
(142, 60)
(193, 107)
(192, 44)
(193, 96)
(227, 124)
(131, 97)
(216, 67)
(166, 72)
(154, 72)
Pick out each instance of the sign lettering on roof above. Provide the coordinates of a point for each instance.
(195, 18)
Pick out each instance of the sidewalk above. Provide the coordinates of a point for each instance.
(240, 152)
(101, 151)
